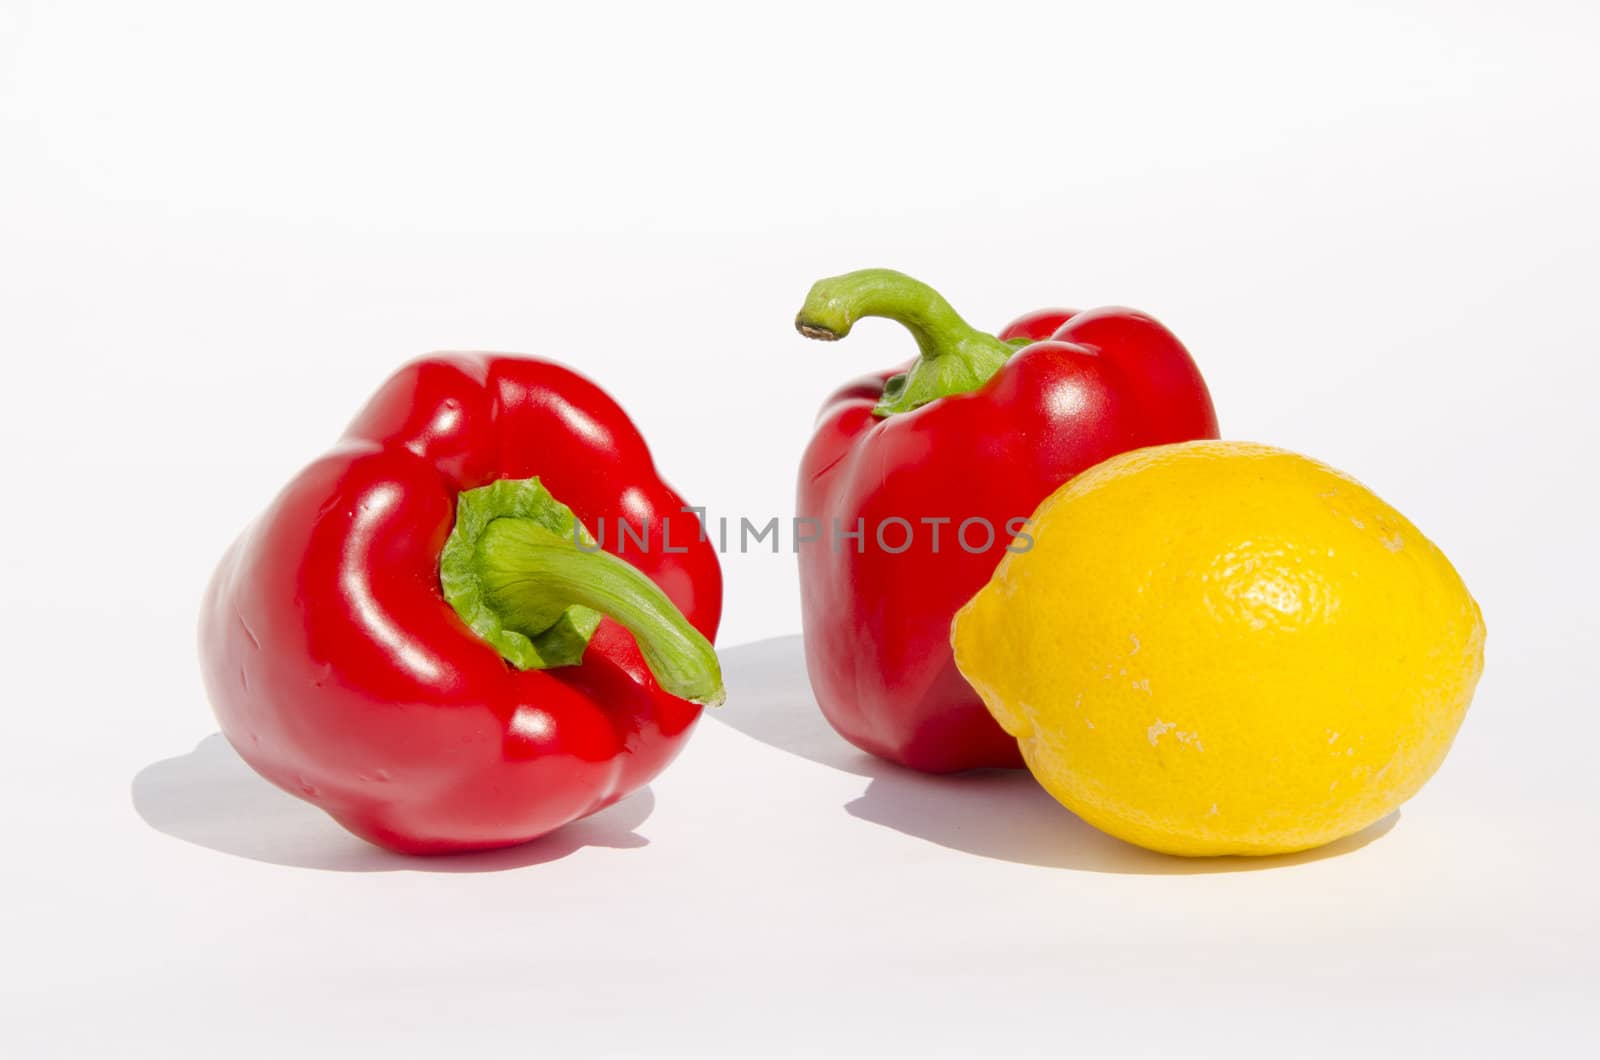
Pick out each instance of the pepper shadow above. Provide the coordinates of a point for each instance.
(210, 798)
(993, 813)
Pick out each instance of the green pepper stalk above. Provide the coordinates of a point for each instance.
(525, 574)
(955, 356)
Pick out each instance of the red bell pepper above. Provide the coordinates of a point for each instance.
(976, 432)
(420, 637)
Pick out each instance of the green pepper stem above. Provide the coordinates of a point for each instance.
(530, 580)
(532, 575)
(955, 356)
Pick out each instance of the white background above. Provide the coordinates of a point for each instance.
(220, 227)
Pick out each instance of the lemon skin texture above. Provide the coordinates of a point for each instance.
(1224, 648)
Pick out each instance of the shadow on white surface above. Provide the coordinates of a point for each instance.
(210, 798)
(1001, 814)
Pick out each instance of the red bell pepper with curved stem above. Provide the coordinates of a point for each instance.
(487, 703)
(980, 427)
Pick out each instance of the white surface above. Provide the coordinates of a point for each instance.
(1375, 229)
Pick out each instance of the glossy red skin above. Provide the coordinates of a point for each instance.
(877, 625)
(339, 672)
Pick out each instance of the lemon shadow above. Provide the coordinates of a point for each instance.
(1000, 814)
(210, 798)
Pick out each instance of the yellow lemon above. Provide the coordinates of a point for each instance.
(1224, 648)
